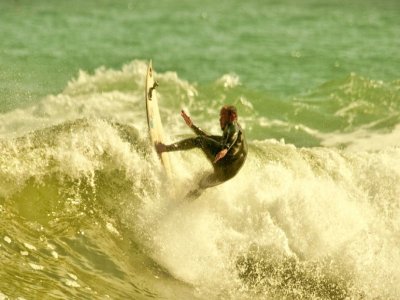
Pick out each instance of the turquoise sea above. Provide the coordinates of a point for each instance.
(85, 209)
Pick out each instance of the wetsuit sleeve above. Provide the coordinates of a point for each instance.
(230, 136)
(197, 130)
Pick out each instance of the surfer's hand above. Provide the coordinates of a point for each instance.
(187, 119)
(220, 155)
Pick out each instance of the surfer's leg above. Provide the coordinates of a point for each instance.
(207, 181)
(210, 180)
(194, 194)
(209, 145)
(185, 144)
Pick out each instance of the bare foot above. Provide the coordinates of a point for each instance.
(160, 147)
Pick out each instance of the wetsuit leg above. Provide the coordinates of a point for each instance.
(210, 145)
(223, 170)
(207, 181)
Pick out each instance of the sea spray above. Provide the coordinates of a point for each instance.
(80, 175)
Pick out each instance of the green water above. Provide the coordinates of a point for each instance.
(279, 47)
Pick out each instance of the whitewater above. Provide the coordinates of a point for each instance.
(87, 212)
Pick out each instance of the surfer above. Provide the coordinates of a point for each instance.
(227, 153)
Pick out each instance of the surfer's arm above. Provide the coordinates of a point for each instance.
(197, 130)
(189, 123)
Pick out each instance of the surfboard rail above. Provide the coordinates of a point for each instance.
(156, 132)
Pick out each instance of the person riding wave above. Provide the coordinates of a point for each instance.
(227, 153)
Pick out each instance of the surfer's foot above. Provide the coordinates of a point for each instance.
(160, 147)
(192, 195)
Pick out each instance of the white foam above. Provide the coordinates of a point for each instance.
(54, 254)
(3, 296)
(30, 247)
(71, 283)
(306, 203)
(229, 80)
(36, 266)
(110, 227)
(362, 139)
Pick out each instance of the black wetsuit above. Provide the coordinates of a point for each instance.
(227, 167)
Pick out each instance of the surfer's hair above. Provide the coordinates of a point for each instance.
(232, 111)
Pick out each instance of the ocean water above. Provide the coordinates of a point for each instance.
(85, 209)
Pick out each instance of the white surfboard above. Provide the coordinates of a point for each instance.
(156, 131)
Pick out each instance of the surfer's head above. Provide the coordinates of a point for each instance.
(228, 114)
